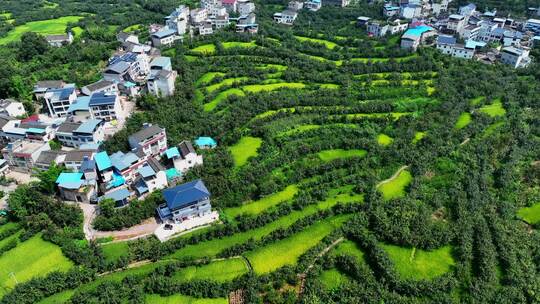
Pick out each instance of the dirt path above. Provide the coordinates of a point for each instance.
(393, 176)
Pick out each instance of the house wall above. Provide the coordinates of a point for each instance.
(201, 208)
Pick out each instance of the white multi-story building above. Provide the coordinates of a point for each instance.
(286, 17)
(72, 134)
(151, 140)
(59, 100)
(11, 108)
(516, 57)
(178, 20)
(184, 157)
(245, 7)
(106, 107)
(199, 15)
(456, 23)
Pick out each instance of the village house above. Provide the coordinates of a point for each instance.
(295, 5)
(247, 24)
(59, 40)
(340, 3)
(22, 154)
(184, 157)
(512, 38)
(413, 37)
(47, 158)
(151, 140)
(411, 11)
(36, 130)
(165, 37)
(41, 87)
(74, 158)
(102, 85)
(245, 7)
(151, 177)
(120, 196)
(286, 17)
(185, 201)
(198, 15)
(230, 5)
(106, 107)
(456, 23)
(467, 10)
(383, 28)
(313, 5)
(75, 187)
(448, 45)
(178, 20)
(390, 10)
(162, 78)
(126, 165)
(532, 25)
(79, 110)
(124, 37)
(59, 100)
(515, 57)
(75, 134)
(11, 108)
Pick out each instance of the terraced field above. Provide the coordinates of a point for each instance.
(45, 27)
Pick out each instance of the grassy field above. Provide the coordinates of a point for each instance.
(493, 110)
(205, 49)
(349, 248)
(328, 44)
(298, 129)
(246, 147)
(206, 78)
(213, 247)
(222, 96)
(32, 258)
(329, 155)
(113, 251)
(180, 299)
(45, 27)
(219, 271)
(8, 226)
(416, 264)
(132, 28)
(463, 120)
(332, 279)
(256, 207)
(236, 44)
(395, 187)
(531, 214)
(58, 298)
(287, 251)
(257, 88)
(384, 140)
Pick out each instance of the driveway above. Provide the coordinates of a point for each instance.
(186, 226)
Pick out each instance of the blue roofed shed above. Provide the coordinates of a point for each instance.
(172, 153)
(103, 161)
(120, 196)
(89, 126)
(205, 142)
(69, 180)
(80, 104)
(172, 173)
(146, 171)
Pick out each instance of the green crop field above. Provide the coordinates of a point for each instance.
(244, 149)
(530, 214)
(256, 207)
(236, 44)
(45, 27)
(257, 88)
(329, 155)
(213, 247)
(287, 251)
(332, 278)
(58, 298)
(463, 120)
(222, 96)
(225, 82)
(349, 248)
(395, 188)
(328, 44)
(206, 78)
(205, 49)
(384, 140)
(416, 264)
(32, 258)
(219, 271)
(180, 299)
(113, 251)
(493, 110)
(418, 137)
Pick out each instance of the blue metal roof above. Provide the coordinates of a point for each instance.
(172, 173)
(146, 171)
(122, 160)
(103, 161)
(186, 194)
(172, 152)
(88, 126)
(205, 141)
(63, 93)
(100, 98)
(88, 165)
(89, 146)
(80, 104)
(69, 180)
(35, 130)
(471, 44)
(418, 31)
(443, 39)
(117, 195)
(162, 62)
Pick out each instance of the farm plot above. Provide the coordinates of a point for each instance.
(207, 77)
(245, 148)
(416, 264)
(32, 258)
(463, 120)
(384, 140)
(113, 251)
(330, 155)
(332, 278)
(493, 110)
(256, 207)
(530, 214)
(219, 271)
(328, 44)
(395, 186)
(44, 27)
(220, 97)
(287, 251)
(180, 299)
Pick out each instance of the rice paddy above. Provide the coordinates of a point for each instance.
(395, 187)
(416, 264)
(44, 27)
(246, 148)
